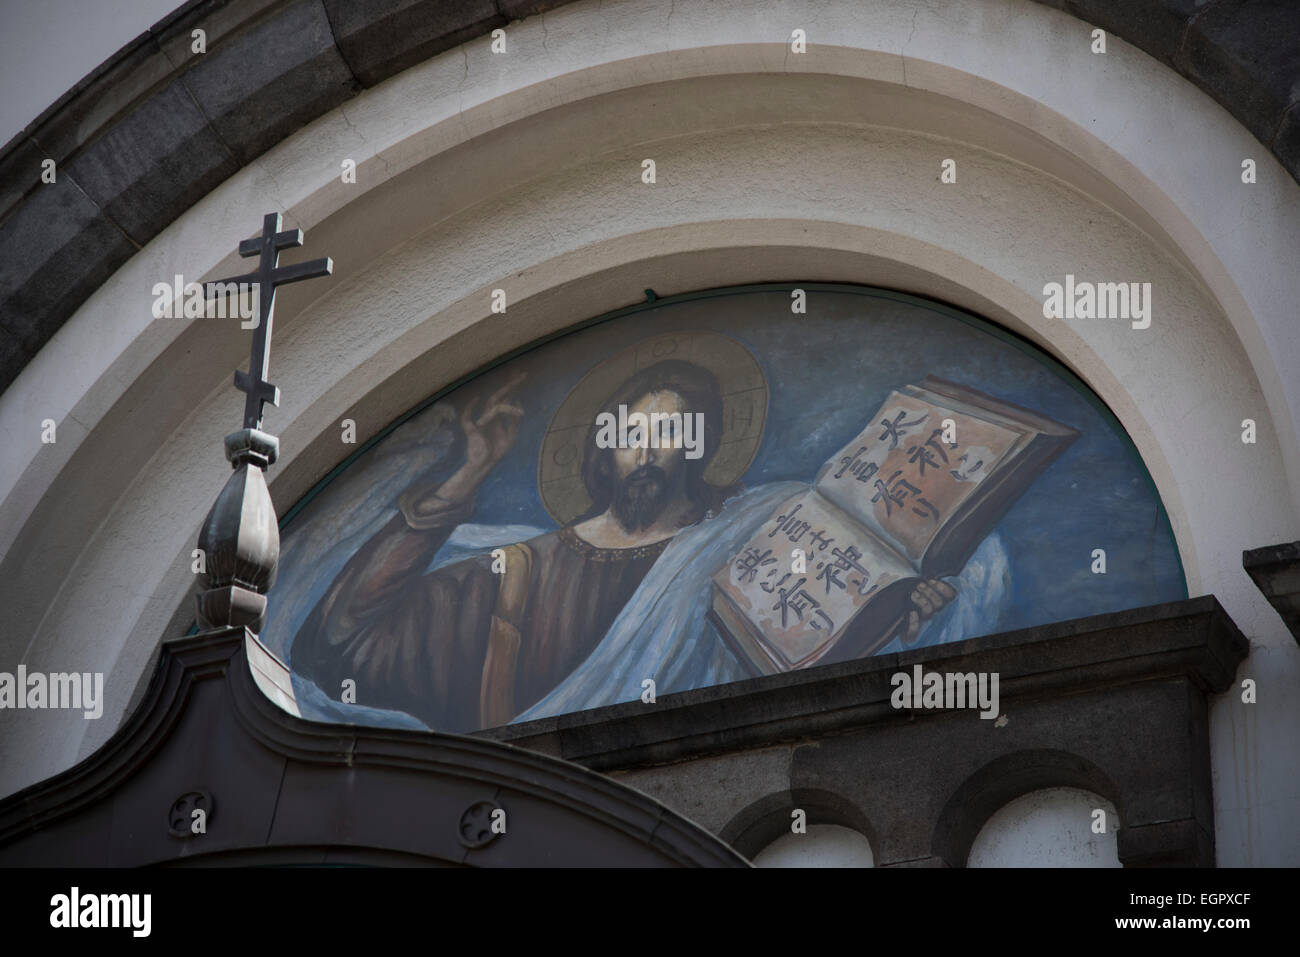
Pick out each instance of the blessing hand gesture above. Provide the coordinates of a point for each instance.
(491, 433)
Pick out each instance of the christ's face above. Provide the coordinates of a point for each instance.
(647, 480)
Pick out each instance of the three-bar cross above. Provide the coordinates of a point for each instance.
(267, 276)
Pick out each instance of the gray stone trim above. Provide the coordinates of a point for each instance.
(1275, 570)
(1193, 639)
(1115, 704)
(154, 129)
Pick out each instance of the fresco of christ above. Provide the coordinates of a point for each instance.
(482, 641)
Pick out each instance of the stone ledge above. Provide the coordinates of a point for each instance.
(1275, 570)
(1115, 704)
(1194, 639)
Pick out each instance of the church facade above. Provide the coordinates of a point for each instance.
(962, 345)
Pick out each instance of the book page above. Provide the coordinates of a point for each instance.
(801, 612)
(903, 481)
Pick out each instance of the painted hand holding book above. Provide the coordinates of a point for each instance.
(910, 498)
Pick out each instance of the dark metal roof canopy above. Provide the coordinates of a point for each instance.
(276, 789)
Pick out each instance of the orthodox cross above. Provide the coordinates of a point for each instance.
(267, 276)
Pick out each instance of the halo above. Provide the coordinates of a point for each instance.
(744, 412)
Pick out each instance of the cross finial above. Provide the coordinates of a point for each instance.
(239, 537)
(265, 278)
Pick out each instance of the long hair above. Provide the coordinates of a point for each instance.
(699, 388)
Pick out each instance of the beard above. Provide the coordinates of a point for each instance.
(640, 498)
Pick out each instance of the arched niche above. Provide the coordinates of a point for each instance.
(772, 819)
(1004, 781)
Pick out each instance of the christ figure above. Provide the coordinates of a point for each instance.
(554, 621)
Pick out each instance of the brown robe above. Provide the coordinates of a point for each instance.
(462, 648)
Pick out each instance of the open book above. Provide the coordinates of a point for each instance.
(910, 498)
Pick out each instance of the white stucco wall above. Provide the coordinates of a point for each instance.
(522, 171)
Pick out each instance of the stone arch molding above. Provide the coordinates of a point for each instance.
(477, 172)
(763, 821)
(1003, 780)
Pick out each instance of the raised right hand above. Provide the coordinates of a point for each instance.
(491, 433)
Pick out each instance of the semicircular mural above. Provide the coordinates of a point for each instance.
(706, 489)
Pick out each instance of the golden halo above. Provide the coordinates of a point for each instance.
(744, 412)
